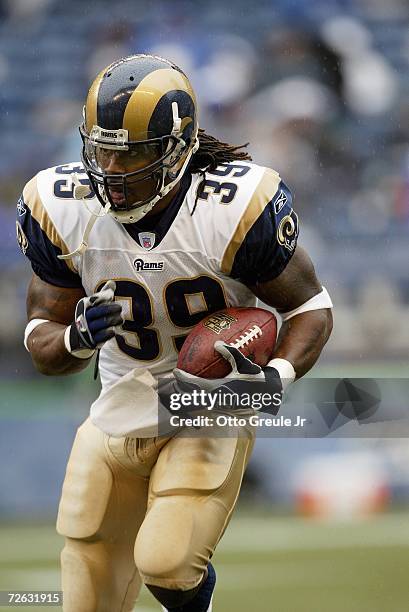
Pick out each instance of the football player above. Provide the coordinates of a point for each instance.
(158, 225)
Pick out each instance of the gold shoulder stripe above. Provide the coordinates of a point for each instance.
(263, 194)
(33, 202)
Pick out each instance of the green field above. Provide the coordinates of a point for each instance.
(264, 564)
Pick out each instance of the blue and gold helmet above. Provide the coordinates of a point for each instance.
(139, 132)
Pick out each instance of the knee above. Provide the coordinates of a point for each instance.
(97, 578)
(163, 567)
(166, 557)
(78, 583)
(85, 553)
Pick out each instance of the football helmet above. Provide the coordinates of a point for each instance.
(139, 133)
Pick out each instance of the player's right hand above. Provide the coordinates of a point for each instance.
(96, 319)
(244, 379)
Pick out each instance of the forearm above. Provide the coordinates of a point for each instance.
(48, 352)
(302, 338)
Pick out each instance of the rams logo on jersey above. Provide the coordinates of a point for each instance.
(287, 231)
(148, 266)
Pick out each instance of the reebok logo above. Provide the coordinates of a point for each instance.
(280, 202)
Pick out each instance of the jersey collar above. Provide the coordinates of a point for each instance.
(150, 231)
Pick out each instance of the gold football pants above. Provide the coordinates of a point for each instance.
(146, 510)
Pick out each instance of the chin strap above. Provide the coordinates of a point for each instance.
(80, 193)
(134, 215)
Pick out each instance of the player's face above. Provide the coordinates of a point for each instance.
(140, 187)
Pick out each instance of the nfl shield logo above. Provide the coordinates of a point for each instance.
(147, 240)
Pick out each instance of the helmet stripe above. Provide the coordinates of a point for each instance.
(91, 104)
(143, 101)
(117, 86)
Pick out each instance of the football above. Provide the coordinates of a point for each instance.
(252, 330)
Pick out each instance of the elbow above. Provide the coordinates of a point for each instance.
(47, 367)
(43, 368)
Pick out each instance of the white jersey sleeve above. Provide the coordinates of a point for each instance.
(248, 219)
(40, 232)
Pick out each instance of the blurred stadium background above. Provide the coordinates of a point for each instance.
(320, 89)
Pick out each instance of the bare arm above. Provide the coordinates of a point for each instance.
(46, 342)
(303, 337)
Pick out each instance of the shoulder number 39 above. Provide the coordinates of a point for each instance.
(225, 189)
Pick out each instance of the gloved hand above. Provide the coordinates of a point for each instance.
(245, 377)
(96, 318)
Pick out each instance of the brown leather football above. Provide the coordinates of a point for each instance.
(252, 330)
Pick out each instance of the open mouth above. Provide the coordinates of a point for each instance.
(117, 195)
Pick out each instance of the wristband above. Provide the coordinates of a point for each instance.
(317, 302)
(80, 353)
(30, 327)
(285, 370)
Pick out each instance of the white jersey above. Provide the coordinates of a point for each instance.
(166, 280)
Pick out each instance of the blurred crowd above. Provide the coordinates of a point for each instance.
(319, 89)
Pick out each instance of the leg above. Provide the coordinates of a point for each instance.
(193, 490)
(102, 505)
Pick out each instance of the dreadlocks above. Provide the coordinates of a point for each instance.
(210, 154)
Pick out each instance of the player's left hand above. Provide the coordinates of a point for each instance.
(245, 376)
(96, 320)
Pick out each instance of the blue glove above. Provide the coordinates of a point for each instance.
(245, 377)
(96, 319)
